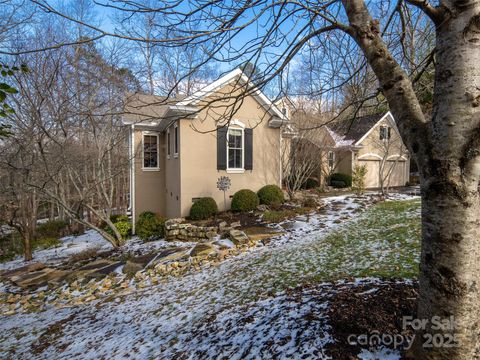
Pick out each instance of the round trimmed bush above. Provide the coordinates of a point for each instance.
(339, 180)
(203, 208)
(245, 200)
(150, 225)
(270, 195)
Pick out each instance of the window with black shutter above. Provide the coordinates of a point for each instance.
(222, 148)
(248, 149)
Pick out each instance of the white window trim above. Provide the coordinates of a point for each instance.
(169, 143)
(150, 133)
(386, 138)
(176, 141)
(333, 160)
(236, 125)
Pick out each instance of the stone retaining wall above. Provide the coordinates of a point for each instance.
(177, 230)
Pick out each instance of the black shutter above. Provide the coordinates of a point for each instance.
(248, 149)
(222, 148)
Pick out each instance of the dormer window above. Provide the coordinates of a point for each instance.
(385, 132)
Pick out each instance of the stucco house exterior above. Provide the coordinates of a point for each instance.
(180, 146)
(372, 141)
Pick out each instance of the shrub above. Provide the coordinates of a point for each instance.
(124, 228)
(309, 202)
(358, 179)
(122, 224)
(45, 243)
(150, 225)
(310, 183)
(203, 208)
(339, 180)
(119, 218)
(271, 195)
(245, 200)
(52, 229)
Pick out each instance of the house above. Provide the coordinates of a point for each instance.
(179, 147)
(372, 141)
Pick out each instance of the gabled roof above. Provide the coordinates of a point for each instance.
(354, 131)
(187, 104)
(236, 76)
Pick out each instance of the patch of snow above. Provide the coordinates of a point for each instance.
(70, 245)
(218, 311)
(382, 353)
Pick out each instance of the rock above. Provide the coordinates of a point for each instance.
(138, 263)
(224, 244)
(235, 224)
(171, 255)
(238, 237)
(97, 269)
(211, 234)
(36, 266)
(203, 249)
(263, 208)
(132, 268)
(261, 237)
(39, 278)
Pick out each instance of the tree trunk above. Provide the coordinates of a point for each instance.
(450, 264)
(27, 249)
(447, 151)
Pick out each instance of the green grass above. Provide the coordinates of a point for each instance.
(385, 242)
(382, 242)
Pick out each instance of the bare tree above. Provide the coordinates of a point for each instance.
(446, 146)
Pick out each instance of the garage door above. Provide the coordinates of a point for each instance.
(397, 175)
(373, 167)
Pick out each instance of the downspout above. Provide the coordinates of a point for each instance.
(280, 160)
(132, 176)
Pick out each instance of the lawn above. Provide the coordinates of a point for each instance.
(166, 320)
(382, 242)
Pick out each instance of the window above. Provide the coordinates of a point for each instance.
(385, 132)
(175, 140)
(150, 151)
(235, 149)
(169, 148)
(331, 159)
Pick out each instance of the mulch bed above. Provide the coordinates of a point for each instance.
(363, 310)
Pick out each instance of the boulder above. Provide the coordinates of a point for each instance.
(263, 207)
(172, 254)
(39, 278)
(238, 237)
(97, 269)
(224, 244)
(203, 249)
(36, 266)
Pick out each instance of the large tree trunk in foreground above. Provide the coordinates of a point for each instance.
(447, 150)
(450, 264)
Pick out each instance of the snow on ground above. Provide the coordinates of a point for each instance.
(71, 245)
(382, 353)
(217, 312)
(89, 240)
